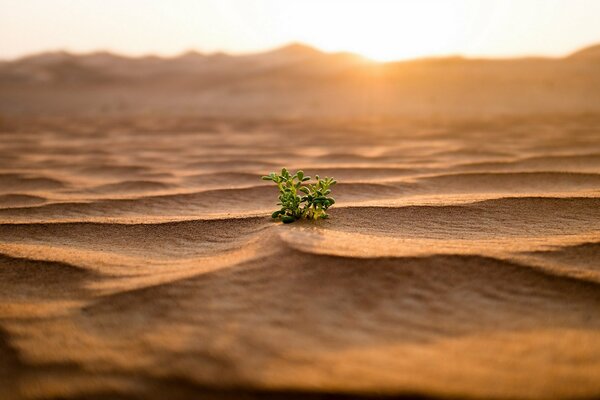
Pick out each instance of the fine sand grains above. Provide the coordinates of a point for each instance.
(138, 259)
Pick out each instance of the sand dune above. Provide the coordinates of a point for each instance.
(298, 82)
(159, 273)
(138, 258)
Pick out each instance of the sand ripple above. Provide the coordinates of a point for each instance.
(451, 266)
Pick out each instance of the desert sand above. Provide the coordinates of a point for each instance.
(138, 258)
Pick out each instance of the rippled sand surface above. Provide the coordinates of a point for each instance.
(138, 259)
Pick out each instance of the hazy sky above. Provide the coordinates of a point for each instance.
(380, 29)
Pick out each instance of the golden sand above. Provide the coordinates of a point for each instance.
(138, 258)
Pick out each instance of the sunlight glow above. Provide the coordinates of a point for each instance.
(385, 30)
(377, 29)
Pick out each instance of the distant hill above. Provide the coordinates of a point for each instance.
(298, 80)
(592, 52)
(104, 67)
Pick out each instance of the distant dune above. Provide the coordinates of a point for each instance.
(298, 81)
(589, 53)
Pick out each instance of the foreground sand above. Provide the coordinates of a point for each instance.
(138, 259)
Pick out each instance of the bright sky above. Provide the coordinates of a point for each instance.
(379, 29)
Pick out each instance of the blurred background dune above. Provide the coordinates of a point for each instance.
(299, 81)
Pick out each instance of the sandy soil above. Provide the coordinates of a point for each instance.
(138, 259)
(461, 260)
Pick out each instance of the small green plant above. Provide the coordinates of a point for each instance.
(300, 199)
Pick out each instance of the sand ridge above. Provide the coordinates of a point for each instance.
(138, 259)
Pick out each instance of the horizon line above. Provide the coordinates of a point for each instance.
(289, 45)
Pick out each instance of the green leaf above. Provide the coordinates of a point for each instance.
(311, 205)
(276, 214)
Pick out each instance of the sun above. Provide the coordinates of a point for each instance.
(381, 30)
